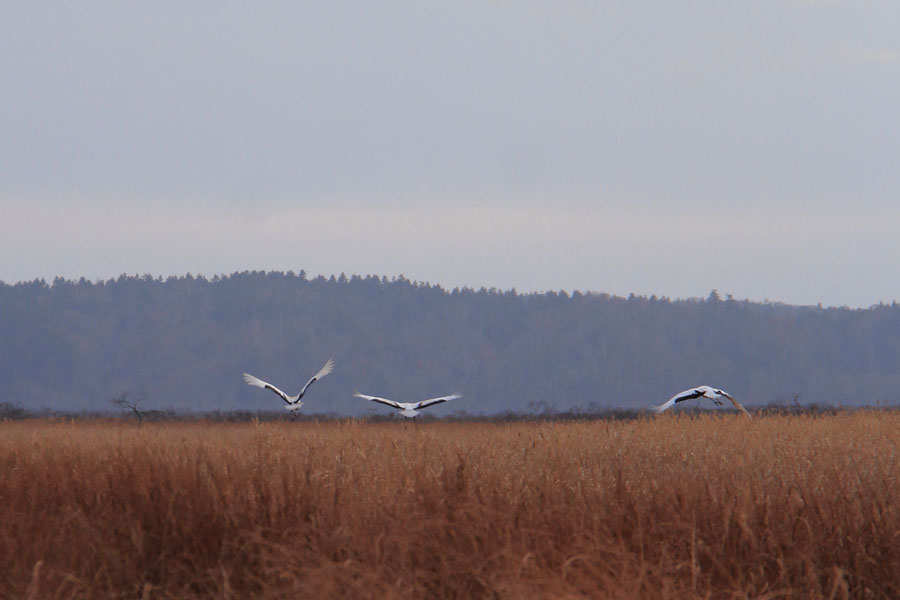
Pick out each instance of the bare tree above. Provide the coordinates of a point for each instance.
(125, 404)
(12, 412)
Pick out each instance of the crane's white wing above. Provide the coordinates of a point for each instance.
(680, 397)
(396, 405)
(251, 380)
(329, 366)
(737, 405)
(430, 401)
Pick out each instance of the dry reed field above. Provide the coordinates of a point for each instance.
(679, 506)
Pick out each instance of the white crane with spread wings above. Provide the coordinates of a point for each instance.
(293, 402)
(704, 391)
(410, 410)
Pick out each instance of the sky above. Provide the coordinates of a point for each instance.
(647, 147)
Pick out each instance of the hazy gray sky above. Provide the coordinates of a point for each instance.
(651, 147)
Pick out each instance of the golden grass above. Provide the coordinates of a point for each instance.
(671, 507)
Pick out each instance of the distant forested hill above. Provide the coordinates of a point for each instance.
(183, 343)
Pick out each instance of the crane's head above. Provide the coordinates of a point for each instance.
(714, 394)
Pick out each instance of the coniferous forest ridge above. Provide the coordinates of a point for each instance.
(183, 343)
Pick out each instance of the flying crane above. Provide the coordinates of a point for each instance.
(703, 391)
(293, 402)
(410, 410)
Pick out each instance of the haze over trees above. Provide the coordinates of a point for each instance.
(183, 343)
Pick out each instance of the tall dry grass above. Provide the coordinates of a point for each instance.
(673, 507)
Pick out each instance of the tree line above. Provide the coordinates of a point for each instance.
(182, 343)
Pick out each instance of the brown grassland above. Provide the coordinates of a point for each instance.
(680, 506)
